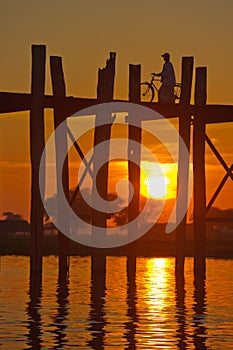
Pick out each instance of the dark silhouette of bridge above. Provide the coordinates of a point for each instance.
(197, 115)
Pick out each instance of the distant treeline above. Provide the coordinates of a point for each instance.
(15, 223)
(13, 226)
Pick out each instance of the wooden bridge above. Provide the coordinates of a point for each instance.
(198, 114)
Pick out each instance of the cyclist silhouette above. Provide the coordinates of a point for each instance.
(168, 80)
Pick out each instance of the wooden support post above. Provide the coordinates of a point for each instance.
(103, 133)
(59, 90)
(199, 190)
(135, 135)
(183, 164)
(37, 144)
(186, 80)
(134, 157)
(106, 77)
(105, 90)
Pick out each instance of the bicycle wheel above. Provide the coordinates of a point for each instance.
(147, 92)
(177, 92)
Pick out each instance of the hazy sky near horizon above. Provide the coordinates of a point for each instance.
(84, 32)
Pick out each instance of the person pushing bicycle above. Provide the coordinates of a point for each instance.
(168, 80)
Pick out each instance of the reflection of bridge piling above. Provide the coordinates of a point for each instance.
(198, 114)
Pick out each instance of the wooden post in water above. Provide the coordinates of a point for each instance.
(103, 133)
(134, 157)
(59, 90)
(199, 190)
(105, 90)
(37, 144)
(135, 134)
(183, 164)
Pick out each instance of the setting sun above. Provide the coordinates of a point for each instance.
(155, 187)
(158, 181)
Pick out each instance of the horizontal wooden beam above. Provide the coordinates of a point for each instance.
(16, 102)
(210, 113)
(215, 113)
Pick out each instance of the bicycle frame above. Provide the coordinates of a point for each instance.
(151, 88)
(153, 78)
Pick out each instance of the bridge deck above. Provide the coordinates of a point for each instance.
(16, 102)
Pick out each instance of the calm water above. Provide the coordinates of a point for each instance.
(154, 310)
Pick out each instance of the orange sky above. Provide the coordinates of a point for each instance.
(15, 174)
(84, 33)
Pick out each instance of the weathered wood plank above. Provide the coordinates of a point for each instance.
(134, 148)
(102, 134)
(59, 90)
(186, 80)
(37, 144)
(183, 164)
(199, 189)
(16, 102)
(134, 158)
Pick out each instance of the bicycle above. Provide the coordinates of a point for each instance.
(150, 89)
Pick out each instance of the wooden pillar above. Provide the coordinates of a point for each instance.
(183, 164)
(134, 157)
(37, 145)
(135, 135)
(105, 90)
(103, 133)
(59, 90)
(199, 190)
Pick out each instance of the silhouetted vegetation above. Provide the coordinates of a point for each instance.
(226, 214)
(13, 223)
(11, 216)
(81, 207)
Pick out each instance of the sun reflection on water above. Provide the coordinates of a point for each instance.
(156, 283)
(158, 302)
